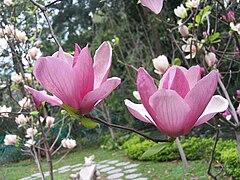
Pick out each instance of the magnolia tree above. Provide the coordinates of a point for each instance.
(189, 92)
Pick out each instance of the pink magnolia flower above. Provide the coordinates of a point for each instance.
(75, 81)
(68, 143)
(10, 139)
(211, 59)
(8, 2)
(49, 121)
(154, 5)
(160, 64)
(182, 101)
(30, 132)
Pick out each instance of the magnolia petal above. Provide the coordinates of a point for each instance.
(102, 63)
(199, 97)
(193, 75)
(153, 5)
(40, 96)
(64, 56)
(77, 51)
(180, 83)
(57, 77)
(146, 88)
(171, 112)
(138, 111)
(217, 104)
(93, 97)
(83, 73)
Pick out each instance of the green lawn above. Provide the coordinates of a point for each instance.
(151, 170)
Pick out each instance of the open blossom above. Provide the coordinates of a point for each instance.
(235, 27)
(180, 11)
(192, 3)
(182, 101)
(29, 143)
(10, 139)
(21, 36)
(30, 132)
(16, 78)
(49, 121)
(211, 59)
(8, 2)
(154, 5)
(75, 81)
(4, 111)
(21, 119)
(25, 103)
(68, 143)
(34, 53)
(161, 64)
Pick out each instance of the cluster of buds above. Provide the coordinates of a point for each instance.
(11, 31)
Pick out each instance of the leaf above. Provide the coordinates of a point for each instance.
(72, 112)
(88, 123)
(202, 14)
(177, 62)
(34, 113)
(154, 150)
(214, 37)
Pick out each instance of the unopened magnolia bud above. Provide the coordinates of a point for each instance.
(161, 64)
(211, 59)
(183, 30)
(136, 95)
(231, 15)
(9, 29)
(34, 53)
(50, 121)
(21, 36)
(238, 93)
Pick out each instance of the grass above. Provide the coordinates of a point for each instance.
(151, 170)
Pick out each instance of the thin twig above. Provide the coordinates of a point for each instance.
(126, 128)
(43, 9)
(212, 155)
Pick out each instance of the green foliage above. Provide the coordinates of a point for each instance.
(88, 123)
(194, 148)
(109, 143)
(231, 162)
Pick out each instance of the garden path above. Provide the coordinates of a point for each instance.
(112, 169)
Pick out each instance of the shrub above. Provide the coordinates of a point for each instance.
(194, 148)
